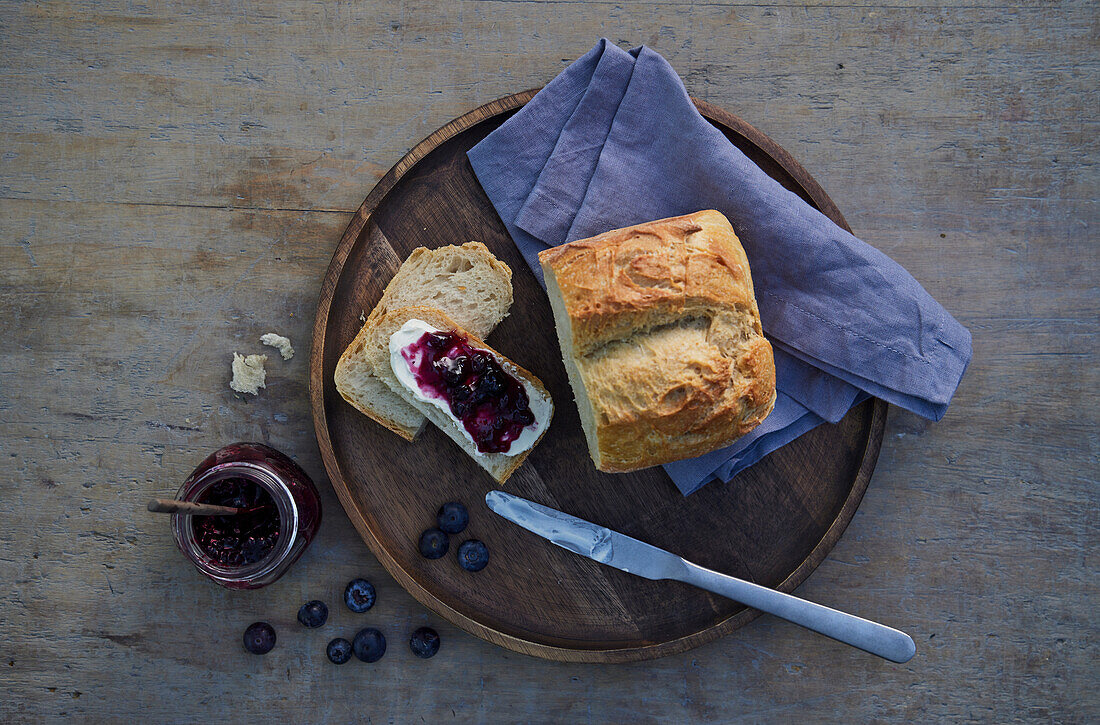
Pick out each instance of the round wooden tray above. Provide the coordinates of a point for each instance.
(772, 524)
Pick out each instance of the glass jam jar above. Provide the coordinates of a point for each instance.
(280, 490)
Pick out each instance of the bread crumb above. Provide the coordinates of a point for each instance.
(282, 344)
(248, 373)
(362, 317)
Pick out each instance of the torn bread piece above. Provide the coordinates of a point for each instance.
(463, 386)
(280, 343)
(248, 373)
(465, 281)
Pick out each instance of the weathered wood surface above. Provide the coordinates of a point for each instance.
(173, 181)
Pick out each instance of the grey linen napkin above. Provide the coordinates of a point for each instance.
(615, 140)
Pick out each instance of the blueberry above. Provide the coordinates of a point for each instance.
(253, 549)
(452, 517)
(481, 429)
(491, 383)
(451, 369)
(369, 645)
(461, 408)
(424, 642)
(338, 651)
(313, 614)
(438, 341)
(473, 555)
(434, 544)
(478, 363)
(359, 595)
(259, 638)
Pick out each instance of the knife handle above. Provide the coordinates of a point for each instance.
(868, 636)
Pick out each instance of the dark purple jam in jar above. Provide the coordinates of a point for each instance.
(255, 547)
(244, 538)
(491, 403)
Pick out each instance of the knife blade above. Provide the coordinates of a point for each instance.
(585, 538)
(623, 552)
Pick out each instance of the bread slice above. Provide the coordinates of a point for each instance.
(661, 338)
(499, 465)
(467, 281)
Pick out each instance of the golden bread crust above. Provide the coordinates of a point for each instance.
(665, 337)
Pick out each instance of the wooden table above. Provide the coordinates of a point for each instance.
(172, 185)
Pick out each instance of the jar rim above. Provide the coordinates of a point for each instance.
(284, 503)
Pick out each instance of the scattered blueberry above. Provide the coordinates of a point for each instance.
(452, 517)
(313, 614)
(338, 651)
(369, 645)
(259, 638)
(424, 642)
(434, 544)
(359, 595)
(473, 555)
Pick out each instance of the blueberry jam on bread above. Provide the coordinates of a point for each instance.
(492, 405)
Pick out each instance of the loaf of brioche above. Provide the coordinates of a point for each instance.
(661, 338)
(499, 465)
(467, 282)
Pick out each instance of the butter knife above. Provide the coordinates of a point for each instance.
(636, 557)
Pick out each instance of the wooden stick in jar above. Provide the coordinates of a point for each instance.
(172, 506)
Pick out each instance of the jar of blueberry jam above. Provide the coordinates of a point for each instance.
(253, 548)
